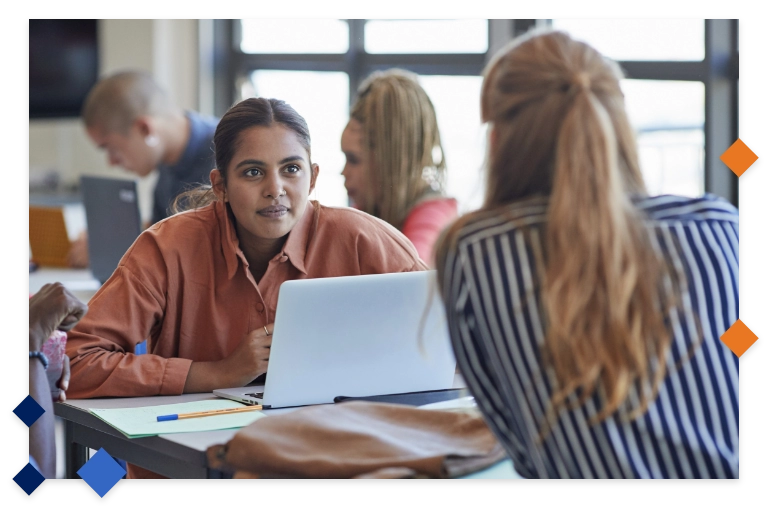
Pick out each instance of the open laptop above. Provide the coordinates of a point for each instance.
(114, 222)
(354, 336)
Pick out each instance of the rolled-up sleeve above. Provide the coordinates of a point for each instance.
(124, 312)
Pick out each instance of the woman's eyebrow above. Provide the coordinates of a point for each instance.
(250, 162)
(291, 158)
(259, 162)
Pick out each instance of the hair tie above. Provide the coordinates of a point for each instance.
(582, 81)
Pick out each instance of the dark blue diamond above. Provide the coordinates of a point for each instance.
(29, 411)
(101, 472)
(29, 478)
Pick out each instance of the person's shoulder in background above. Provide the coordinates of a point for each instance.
(426, 220)
(434, 210)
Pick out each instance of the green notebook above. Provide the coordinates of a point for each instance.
(142, 421)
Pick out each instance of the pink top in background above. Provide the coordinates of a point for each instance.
(425, 222)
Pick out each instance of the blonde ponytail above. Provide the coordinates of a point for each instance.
(600, 282)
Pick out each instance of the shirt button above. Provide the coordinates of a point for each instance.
(259, 307)
(284, 258)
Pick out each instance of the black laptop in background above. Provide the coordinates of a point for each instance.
(114, 222)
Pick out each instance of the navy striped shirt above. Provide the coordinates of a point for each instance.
(691, 430)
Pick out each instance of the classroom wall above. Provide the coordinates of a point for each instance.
(166, 48)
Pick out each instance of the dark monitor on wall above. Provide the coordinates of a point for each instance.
(63, 65)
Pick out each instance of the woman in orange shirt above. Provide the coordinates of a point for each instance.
(395, 167)
(202, 285)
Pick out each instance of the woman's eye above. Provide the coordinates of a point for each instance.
(252, 172)
(292, 169)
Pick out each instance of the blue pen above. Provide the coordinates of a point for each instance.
(201, 414)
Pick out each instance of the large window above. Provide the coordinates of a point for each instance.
(318, 69)
(681, 95)
(680, 90)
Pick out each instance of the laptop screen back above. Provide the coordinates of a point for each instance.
(358, 336)
(114, 223)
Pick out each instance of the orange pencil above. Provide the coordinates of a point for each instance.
(170, 417)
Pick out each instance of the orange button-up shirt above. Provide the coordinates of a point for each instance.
(185, 286)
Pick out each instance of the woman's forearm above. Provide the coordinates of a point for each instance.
(206, 376)
(41, 436)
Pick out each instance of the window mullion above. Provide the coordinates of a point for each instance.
(720, 128)
(355, 58)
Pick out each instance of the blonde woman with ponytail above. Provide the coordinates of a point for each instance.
(586, 315)
(395, 168)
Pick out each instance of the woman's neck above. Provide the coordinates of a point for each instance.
(258, 251)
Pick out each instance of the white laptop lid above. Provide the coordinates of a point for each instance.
(358, 336)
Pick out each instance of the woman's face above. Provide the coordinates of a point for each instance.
(268, 182)
(355, 169)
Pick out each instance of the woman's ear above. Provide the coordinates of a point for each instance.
(313, 179)
(217, 185)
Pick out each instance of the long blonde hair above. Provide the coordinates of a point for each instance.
(559, 129)
(401, 141)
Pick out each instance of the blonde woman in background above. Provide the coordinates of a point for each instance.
(395, 168)
(586, 315)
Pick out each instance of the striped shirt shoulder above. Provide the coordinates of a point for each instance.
(523, 213)
(676, 208)
(532, 212)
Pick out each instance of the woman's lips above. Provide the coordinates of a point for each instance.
(273, 211)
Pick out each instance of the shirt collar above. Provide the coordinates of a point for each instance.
(295, 247)
(296, 244)
(229, 243)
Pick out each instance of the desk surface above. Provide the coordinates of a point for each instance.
(79, 281)
(175, 455)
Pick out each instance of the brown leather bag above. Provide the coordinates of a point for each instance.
(360, 439)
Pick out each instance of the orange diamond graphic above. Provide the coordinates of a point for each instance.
(738, 338)
(738, 157)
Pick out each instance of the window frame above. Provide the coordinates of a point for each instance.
(719, 72)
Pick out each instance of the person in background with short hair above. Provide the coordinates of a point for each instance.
(586, 315)
(202, 285)
(128, 115)
(395, 168)
(52, 308)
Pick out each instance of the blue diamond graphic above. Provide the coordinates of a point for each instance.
(29, 478)
(29, 411)
(101, 472)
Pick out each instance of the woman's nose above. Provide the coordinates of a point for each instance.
(273, 187)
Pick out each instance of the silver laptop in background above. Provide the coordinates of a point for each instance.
(114, 222)
(354, 336)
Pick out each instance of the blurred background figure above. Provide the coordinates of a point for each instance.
(395, 167)
(128, 115)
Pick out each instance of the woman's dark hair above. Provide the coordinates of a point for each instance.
(248, 113)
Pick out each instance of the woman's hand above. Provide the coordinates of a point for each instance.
(248, 361)
(53, 307)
